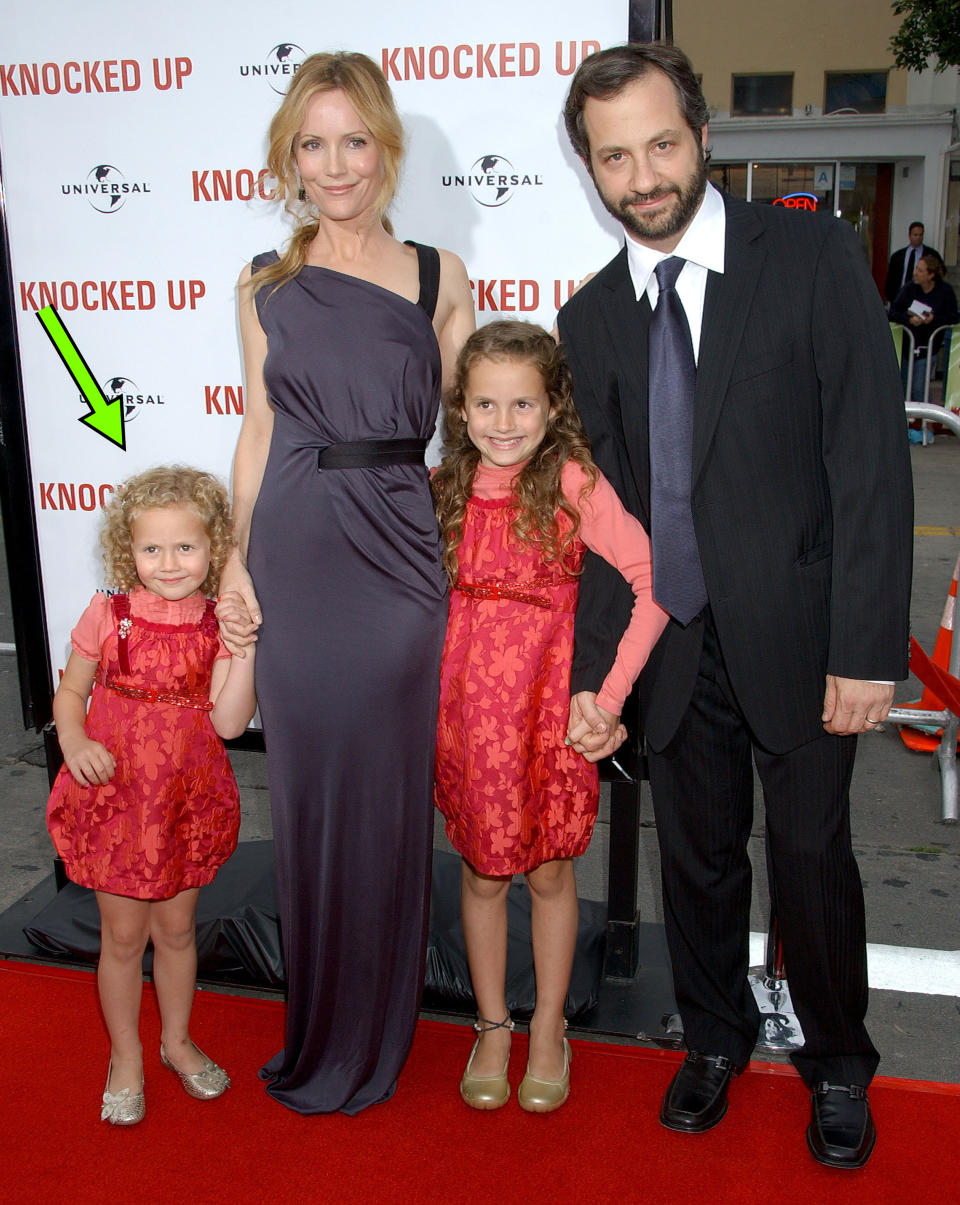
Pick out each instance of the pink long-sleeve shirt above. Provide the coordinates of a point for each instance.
(608, 530)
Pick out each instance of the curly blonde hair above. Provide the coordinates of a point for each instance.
(170, 485)
(364, 85)
(537, 491)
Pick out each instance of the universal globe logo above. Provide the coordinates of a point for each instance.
(279, 67)
(106, 188)
(108, 182)
(492, 181)
(125, 390)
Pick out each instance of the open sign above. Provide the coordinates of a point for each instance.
(798, 200)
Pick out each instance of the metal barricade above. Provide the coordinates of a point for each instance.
(947, 750)
(904, 345)
(944, 342)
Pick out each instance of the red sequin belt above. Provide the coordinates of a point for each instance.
(142, 695)
(500, 590)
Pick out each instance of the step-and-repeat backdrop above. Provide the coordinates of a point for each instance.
(133, 151)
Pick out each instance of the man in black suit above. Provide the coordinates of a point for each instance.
(797, 569)
(902, 262)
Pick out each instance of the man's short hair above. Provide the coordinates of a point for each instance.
(915, 226)
(605, 74)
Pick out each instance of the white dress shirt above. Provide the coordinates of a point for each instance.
(701, 246)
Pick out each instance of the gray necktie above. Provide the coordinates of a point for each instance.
(909, 265)
(678, 584)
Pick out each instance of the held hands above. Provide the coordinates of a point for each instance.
(238, 613)
(851, 705)
(88, 761)
(592, 731)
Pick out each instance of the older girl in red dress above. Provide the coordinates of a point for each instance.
(519, 501)
(145, 808)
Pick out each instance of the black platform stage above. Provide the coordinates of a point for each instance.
(239, 948)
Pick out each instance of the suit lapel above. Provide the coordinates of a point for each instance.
(726, 305)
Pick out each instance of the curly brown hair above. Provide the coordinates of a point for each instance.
(170, 485)
(537, 491)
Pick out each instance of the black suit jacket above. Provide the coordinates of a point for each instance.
(802, 493)
(895, 279)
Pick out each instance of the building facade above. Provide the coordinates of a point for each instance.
(808, 110)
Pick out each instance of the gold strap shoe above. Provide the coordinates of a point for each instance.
(207, 1084)
(545, 1095)
(486, 1091)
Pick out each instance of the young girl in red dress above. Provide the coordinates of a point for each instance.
(519, 500)
(145, 808)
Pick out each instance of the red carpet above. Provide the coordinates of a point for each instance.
(605, 1145)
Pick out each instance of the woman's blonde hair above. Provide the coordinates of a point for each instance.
(537, 489)
(364, 85)
(171, 485)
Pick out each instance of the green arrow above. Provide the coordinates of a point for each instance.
(105, 417)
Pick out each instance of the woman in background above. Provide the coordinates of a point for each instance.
(924, 305)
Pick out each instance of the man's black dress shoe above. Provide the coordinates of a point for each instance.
(841, 1131)
(697, 1097)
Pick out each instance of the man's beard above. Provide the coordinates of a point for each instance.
(670, 221)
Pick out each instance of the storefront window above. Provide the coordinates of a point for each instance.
(776, 181)
(858, 192)
(801, 185)
(857, 199)
(731, 178)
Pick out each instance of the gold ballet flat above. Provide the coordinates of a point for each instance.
(486, 1091)
(121, 1108)
(545, 1095)
(207, 1084)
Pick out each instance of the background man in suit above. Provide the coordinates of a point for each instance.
(902, 262)
(789, 619)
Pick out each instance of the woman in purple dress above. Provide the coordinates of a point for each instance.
(346, 336)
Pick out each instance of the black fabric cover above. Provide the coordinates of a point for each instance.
(238, 937)
(447, 980)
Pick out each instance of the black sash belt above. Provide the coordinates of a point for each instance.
(371, 453)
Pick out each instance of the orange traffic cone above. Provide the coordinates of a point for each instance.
(924, 738)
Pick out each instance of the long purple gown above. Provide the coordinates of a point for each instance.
(346, 564)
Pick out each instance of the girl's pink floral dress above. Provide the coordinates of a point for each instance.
(513, 794)
(169, 817)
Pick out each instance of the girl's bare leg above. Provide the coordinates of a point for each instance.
(553, 894)
(483, 902)
(172, 928)
(124, 928)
